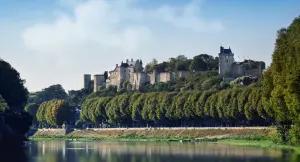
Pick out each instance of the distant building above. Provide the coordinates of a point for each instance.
(229, 69)
(131, 73)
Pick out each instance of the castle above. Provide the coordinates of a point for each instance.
(229, 69)
(131, 73)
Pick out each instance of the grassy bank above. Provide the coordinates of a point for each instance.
(154, 134)
(244, 137)
(169, 139)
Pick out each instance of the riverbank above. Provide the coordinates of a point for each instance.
(254, 137)
(155, 134)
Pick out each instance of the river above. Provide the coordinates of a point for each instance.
(102, 151)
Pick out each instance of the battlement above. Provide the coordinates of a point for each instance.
(225, 51)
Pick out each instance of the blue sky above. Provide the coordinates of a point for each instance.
(57, 41)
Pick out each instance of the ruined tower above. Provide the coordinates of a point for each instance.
(87, 80)
(99, 80)
(226, 59)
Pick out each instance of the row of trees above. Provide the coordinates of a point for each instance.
(234, 106)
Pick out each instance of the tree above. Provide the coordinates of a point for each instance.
(54, 112)
(105, 75)
(32, 109)
(77, 97)
(151, 66)
(211, 62)
(53, 92)
(283, 77)
(13, 96)
(198, 64)
(12, 87)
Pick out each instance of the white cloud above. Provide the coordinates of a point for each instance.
(113, 24)
(97, 33)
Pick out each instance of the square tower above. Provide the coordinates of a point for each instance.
(226, 59)
(87, 81)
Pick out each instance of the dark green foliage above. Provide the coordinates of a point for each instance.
(195, 81)
(109, 91)
(32, 109)
(76, 98)
(13, 96)
(281, 82)
(19, 121)
(12, 87)
(50, 93)
(202, 62)
(105, 75)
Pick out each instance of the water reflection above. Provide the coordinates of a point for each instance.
(8, 154)
(59, 151)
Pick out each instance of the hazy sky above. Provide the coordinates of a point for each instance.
(57, 41)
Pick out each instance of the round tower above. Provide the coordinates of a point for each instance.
(226, 59)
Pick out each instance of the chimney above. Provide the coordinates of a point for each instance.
(132, 60)
(127, 60)
(117, 65)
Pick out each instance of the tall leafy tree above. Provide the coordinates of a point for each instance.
(12, 87)
(198, 64)
(50, 93)
(54, 112)
(284, 79)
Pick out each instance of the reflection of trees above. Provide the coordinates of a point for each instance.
(13, 155)
(56, 151)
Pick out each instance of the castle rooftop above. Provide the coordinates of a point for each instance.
(225, 51)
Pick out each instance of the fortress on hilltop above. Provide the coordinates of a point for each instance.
(131, 74)
(229, 69)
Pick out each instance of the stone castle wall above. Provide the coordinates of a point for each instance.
(237, 70)
(114, 78)
(141, 78)
(164, 77)
(253, 72)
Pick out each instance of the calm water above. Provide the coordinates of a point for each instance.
(64, 151)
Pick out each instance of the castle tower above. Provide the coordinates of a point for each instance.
(87, 80)
(226, 59)
(99, 80)
(153, 77)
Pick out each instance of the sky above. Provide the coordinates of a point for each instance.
(58, 41)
